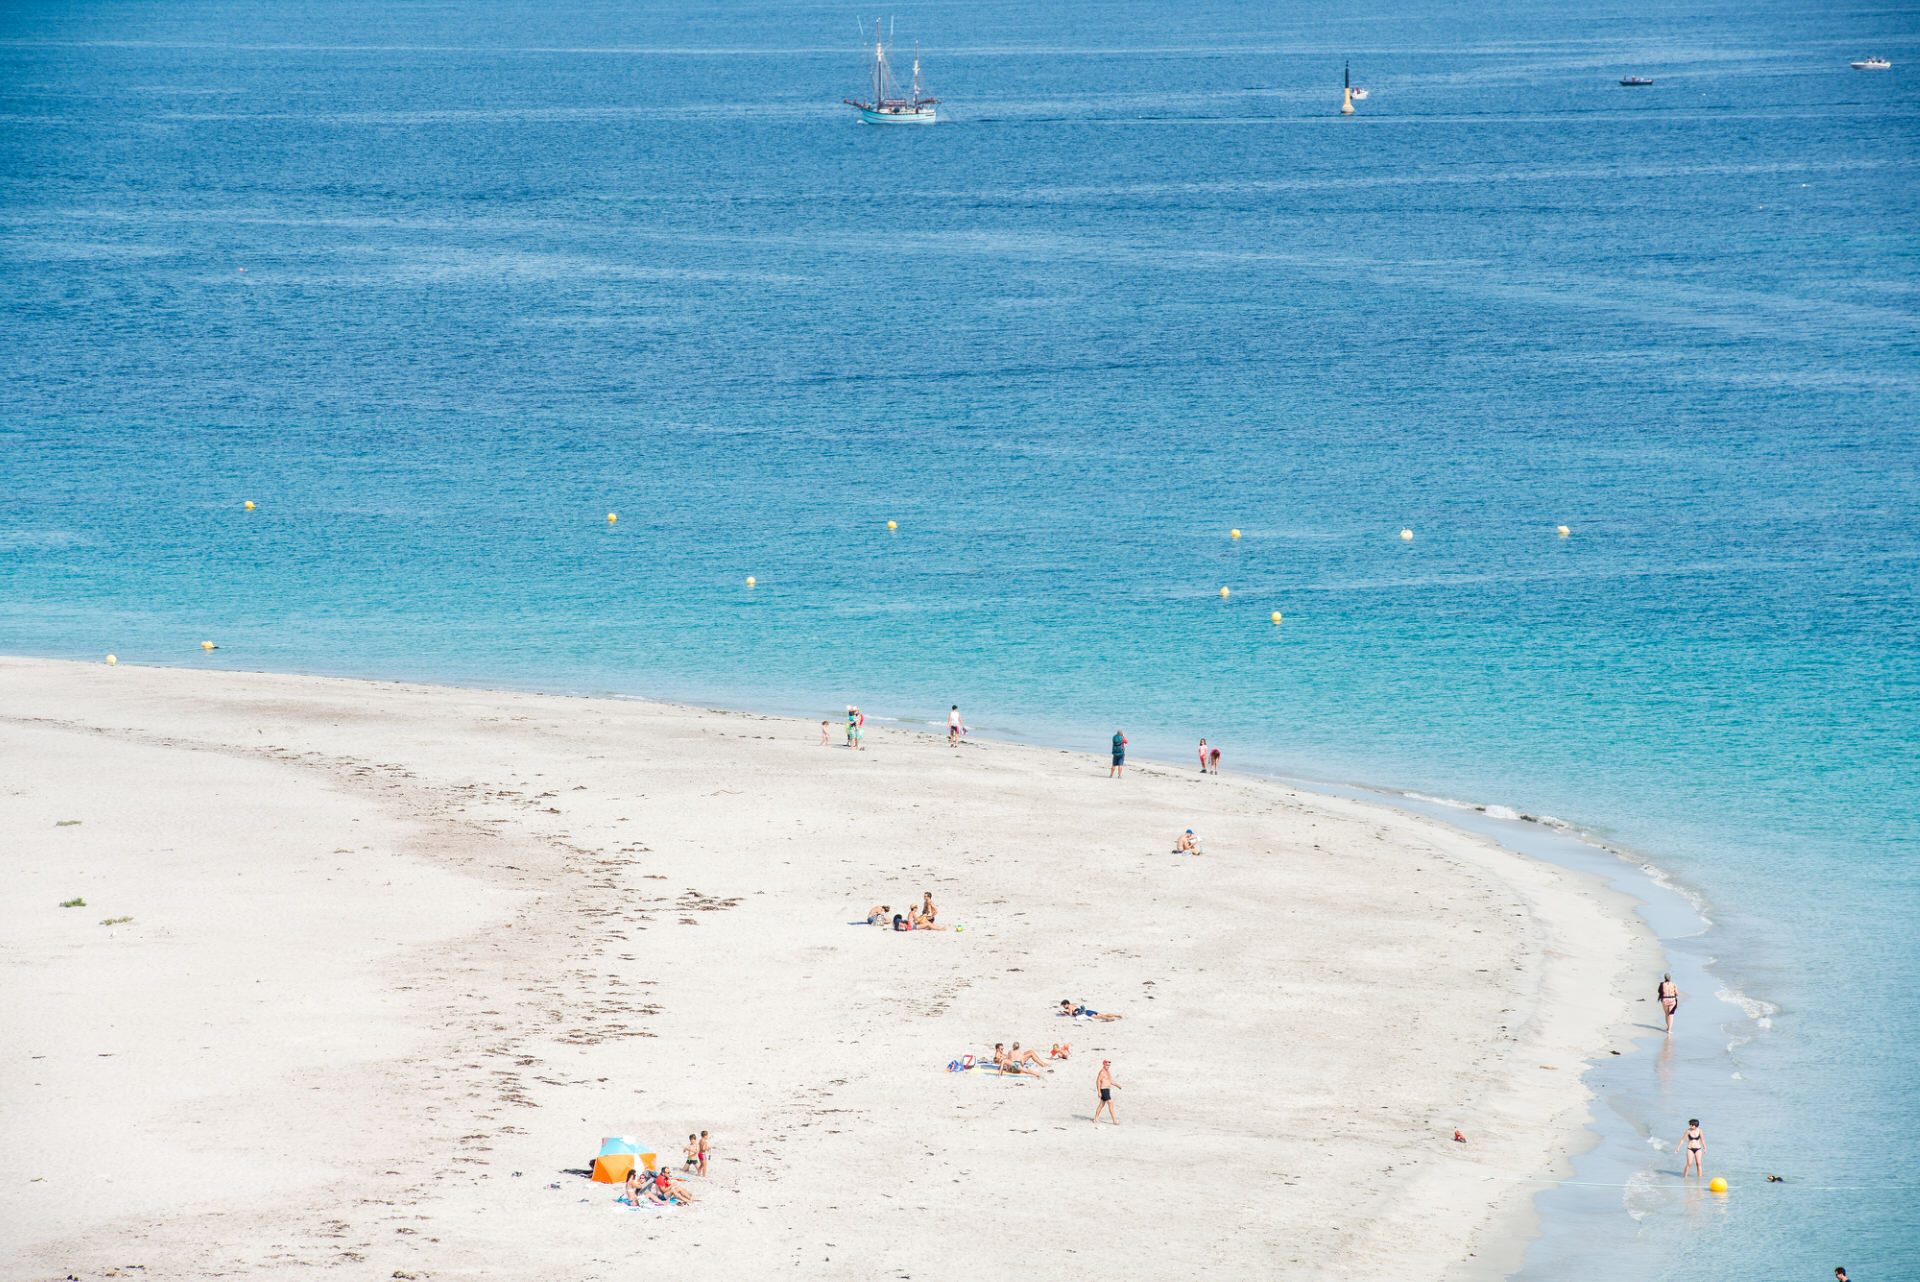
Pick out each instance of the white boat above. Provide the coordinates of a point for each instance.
(888, 107)
(1359, 94)
(1872, 64)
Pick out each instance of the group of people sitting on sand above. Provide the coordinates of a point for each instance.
(658, 1188)
(925, 917)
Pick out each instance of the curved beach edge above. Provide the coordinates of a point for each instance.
(437, 942)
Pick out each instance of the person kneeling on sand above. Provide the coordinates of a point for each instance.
(1072, 1011)
(1187, 845)
(877, 915)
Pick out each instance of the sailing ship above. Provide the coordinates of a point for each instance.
(887, 107)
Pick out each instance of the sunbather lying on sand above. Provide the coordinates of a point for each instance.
(1072, 1011)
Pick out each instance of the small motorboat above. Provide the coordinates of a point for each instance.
(1359, 94)
(1871, 64)
(1636, 82)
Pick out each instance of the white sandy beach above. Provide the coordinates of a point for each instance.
(401, 956)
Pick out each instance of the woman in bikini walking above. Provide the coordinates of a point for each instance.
(1695, 1143)
(1669, 994)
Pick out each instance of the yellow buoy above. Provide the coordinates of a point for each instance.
(1233, 534)
(1225, 592)
(207, 645)
(612, 517)
(1562, 531)
(893, 525)
(1406, 536)
(112, 659)
(249, 505)
(1717, 1185)
(1276, 616)
(749, 580)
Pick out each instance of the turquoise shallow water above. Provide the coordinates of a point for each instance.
(508, 268)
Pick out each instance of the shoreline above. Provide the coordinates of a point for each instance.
(1569, 1022)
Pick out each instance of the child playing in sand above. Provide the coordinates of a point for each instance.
(692, 1154)
(1695, 1144)
(823, 734)
(1187, 845)
(1072, 1011)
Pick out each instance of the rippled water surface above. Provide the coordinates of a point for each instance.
(440, 286)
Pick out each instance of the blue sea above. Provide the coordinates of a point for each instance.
(439, 286)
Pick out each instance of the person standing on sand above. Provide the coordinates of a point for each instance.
(1669, 994)
(852, 712)
(953, 726)
(1105, 1086)
(1119, 756)
(1695, 1144)
(1203, 756)
(706, 1150)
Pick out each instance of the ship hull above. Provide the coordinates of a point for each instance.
(923, 116)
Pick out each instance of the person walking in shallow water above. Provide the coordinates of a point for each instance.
(1669, 994)
(1695, 1144)
(1119, 756)
(1104, 1086)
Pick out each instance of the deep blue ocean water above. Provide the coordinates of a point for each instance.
(438, 286)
